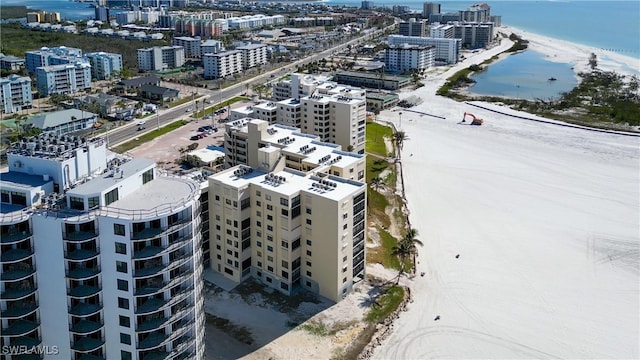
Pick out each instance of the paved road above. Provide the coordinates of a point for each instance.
(166, 116)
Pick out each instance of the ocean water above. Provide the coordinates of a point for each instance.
(525, 76)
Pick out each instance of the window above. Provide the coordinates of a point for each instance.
(118, 229)
(308, 221)
(270, 258)
(76, 203)
(345, 226)
(267, 197)
(270, 268)
(125, 355)
(121, 266)
(309, 211)
(308, 263)
(123, 303)
(258, 203)
(344, 258)
(269, 238)
(258, 213)
(284, 212)
(269, 248)
(308, 242)
(345, 216)
(123, 285)
(284, 244)
(259, 243)
(259, 265)
(258, 193)
(284, 202)
(284, 286)
(121, 248)
(147, 176)
(110, 197)
(269, 280)
(269, 227)
(309, 273)
(125, 321)
(285, 274)
(258, 223)
(308, 252)
(227, 201)
(125, 339)
(269, 217)
(295, 244)
(269, 207)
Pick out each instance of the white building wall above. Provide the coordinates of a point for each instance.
(52, 287)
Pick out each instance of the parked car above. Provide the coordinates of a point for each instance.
(194, 137)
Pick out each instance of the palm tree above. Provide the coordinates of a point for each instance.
(376, 182)
(410, 239)
(402, 250)
(398, 139)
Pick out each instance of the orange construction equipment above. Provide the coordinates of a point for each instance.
(475, 120)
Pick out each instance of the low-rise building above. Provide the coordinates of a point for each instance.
(191, 46)
(64, 121)
(134, 85)
(372, 80)
(378, 101)
(15, 94)
(158, 94)
(211, 47)
(11, 63)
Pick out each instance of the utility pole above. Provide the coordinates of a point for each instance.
(400, 113)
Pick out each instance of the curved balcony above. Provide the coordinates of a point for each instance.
(82, 273)
(15, 255)
(152, 324)
(87, 344)
(156, 355)
(147, 233)
(153, 267)
(148, 252)
(19, 309)
(82, 291)
(29, 342)
(150, 289)
(20, 327)
(14, 237)
(86, 326)
(84, 309)
(81, 254)
(18, 293)
(183, 344)
(152, 340)
(149, 306)
(18, 272)
(79, 236)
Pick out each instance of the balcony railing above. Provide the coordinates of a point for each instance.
(87, 344)
(150, 306)
(17, 293)
(79, 235)
(80, 273)
(14, 255)
(20, 327)
(81, 291)
(85, 309)
(81, 254)
(18, 271)
(19, 309)
(151, 324)
(152, 340)
(86, 326)
(27, 341)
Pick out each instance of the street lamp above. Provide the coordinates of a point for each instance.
(400, 115)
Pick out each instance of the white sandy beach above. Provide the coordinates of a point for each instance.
(546, 221)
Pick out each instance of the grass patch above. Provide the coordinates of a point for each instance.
(376, 204)
(212, 109)
(178, 102)
(374, 167)
(13, 12)
(375, 139)
(382, 254)
(148, 137)
(386, 304)
(240, 333)
(318, 328)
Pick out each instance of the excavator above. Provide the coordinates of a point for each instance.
(474, 121)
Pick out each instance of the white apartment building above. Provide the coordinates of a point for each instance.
(447, 50)
(406, 58)
(160, 58)
(101, 256)
(442, 31)
(267, 111)
(289, 112)
(253, 55)
(255, 21)
(211, 47)
(222, 64)
(191, 46)
(103, 65)
(15, 94)
(336, 119)
(298, 226)
(51, 56)
(63, 79)
(474, 34)
(297, 86)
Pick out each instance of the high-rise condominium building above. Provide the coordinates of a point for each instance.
(191, 46)
(101, 256)
(63, 79)
(413, 27)
(447, 50)
(405, 58)
(294, 216)
(253, 55)
(222, 64)
(476, 13)
(51, 56)
(104, 65)
(429, 9)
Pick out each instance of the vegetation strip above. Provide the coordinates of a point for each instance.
(148, 136)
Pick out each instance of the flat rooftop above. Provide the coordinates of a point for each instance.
(162, 191)
(107, 180)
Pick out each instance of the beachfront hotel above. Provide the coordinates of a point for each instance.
(289, 210)
(101, 256)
